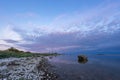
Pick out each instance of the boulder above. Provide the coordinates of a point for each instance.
(82, 59)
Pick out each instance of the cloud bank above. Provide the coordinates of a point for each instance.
(94, 30)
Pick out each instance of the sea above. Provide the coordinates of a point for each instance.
(97, 67)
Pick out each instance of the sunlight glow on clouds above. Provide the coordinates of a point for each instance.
(93, 29)
(8, 33)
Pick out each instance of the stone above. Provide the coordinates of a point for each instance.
(82, 59)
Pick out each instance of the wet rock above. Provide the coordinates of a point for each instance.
(82, 59)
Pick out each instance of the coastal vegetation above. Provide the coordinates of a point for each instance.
(13, 52)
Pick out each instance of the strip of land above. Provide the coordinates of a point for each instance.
(12, 52)
(20, 65)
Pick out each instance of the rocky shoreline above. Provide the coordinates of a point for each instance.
(30, 68)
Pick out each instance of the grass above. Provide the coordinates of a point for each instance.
(7, 54)
(18, 54)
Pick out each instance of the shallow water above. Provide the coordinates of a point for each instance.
(98, 67)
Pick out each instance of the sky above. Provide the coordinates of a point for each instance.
(66, 26)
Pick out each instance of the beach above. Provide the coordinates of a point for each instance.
(28, 68)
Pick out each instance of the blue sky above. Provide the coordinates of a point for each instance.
(60, 25)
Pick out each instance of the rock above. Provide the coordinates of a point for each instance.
(3, 63)
(13, 63)
(82, 59)
(31, 68)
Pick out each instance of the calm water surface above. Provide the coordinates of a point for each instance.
(98, 67)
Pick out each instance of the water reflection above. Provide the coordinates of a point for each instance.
(82, 59)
